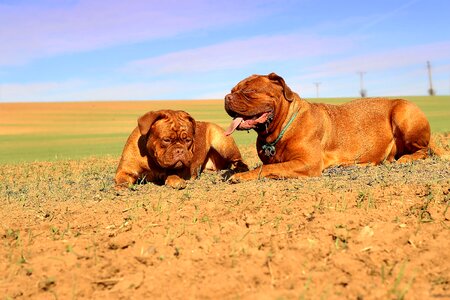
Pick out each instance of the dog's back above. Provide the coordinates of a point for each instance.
(374, 130)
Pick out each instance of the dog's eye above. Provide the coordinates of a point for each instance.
(188, 140)
(166, 140)
(249, 91)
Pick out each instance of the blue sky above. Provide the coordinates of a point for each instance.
(81, 50)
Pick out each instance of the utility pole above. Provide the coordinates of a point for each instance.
(317, 88)
(362, 91)
(431, 91)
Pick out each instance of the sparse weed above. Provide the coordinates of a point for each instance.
(54, 232)
(305, 289)
(277, 221)
(447, 201)
(422, 210)
(320, 203)
(69, 248)
(206, 219)
(397, 291)
(366, 198)
(13, 234)
(341, 204)
(22, 259)
(196, 213)
(340, 237)
(157, 207)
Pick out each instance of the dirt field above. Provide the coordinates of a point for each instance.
(358, 232)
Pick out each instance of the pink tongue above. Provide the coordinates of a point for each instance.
(233, 126)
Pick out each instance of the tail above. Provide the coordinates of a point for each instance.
(440, 145)
(224, 152)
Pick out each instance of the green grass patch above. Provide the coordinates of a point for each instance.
(49, 132)
(43, 147)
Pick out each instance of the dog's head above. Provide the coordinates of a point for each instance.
(253, 102)
(169, 137)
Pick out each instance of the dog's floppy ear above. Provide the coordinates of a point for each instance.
(146, 121)
(194, 125)
(288, 94)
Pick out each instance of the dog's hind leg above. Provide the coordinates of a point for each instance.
(411, 132)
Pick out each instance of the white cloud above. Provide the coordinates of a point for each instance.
(32, 31)
(380, 18)
(76, 90)
(37, 91)
(129, 91)
(385, 60)
(244, 52)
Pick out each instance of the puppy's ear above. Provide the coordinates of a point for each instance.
(288, 94)
(191, 119)
(146, 121)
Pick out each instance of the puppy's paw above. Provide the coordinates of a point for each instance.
(124, 186)
(234, 179)
(176, 182)
(120, 187)
(125, 180)
(244, 176)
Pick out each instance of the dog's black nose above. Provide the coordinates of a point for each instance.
(228, 105)
(179, 151)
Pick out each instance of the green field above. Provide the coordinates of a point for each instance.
(54, 131)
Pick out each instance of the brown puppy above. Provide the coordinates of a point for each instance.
(297, 138)
(169, 147)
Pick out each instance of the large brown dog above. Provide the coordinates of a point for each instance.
(297, 138)
(169, 147)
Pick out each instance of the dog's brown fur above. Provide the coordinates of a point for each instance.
(169, 147)
(321, 135)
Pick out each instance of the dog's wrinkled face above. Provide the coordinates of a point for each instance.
(252, 103)
(170, 137)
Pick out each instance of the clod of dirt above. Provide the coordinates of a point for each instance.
(46, 284)
(120, 243)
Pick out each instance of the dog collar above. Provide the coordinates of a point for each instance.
(269, 148)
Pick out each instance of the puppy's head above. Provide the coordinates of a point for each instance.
(253, 102)
(169, 137)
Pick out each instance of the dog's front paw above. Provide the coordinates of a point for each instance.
(121, 187)
(244, 176)
(176, 182)
(234, 179)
